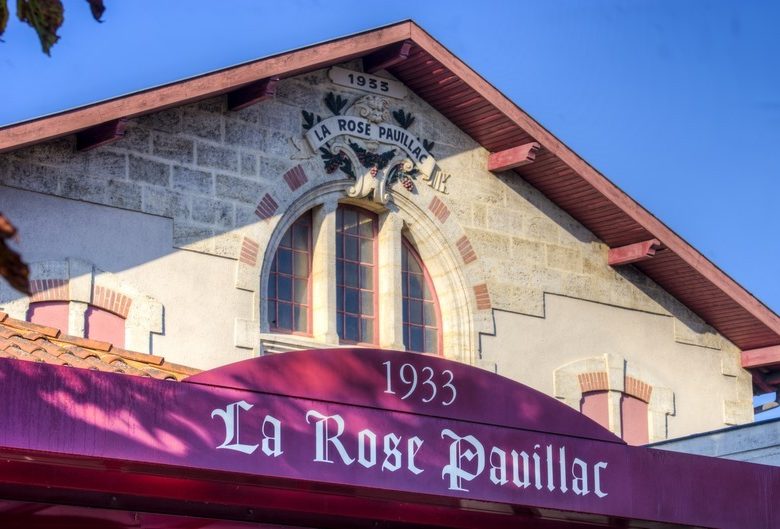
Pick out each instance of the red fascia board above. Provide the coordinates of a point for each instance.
(201, 87)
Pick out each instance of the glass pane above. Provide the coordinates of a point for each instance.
(406, 310)
(413, 265)
(284, 286)
(339, 272)
(301, 264)
(415, 312)
(339, 246)
(301, 236)
(272, 286)
(340, 300)
(273, 264)
(366, 303)
(301, 291)
(429, 312)
(431, 341)
(351, 328)
(350, 221)
(351, 274)
(300, 319)
(367, 250)
(284, 258)
(367, 330)
(416, 339)
(285, 316)
(340, 325)
(367, 277)
(351, 248)
(366, 226)
(272, 313)
(286, 241)
(415, 286)
(351, 303)
(427, 292)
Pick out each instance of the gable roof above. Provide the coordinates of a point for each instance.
(22, 340)
(483, 112)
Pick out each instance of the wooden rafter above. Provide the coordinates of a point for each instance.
(101, 134)
(514, 157)
(387, 57)
(765, 356)
(252, 93)
(633, 253)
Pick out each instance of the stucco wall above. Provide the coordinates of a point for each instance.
(206, 193)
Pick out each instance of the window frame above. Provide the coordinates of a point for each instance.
(409, 247)
(273, 275)
(340, 288)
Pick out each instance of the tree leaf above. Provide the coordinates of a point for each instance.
(3, 16)
(45, 17)
(97, 8)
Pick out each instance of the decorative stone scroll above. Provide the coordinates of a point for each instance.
(351, 140)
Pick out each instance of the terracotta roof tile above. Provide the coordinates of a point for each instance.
(51, 332)
(84, 342)
(26, 345)
(21, 340)
(7, 332)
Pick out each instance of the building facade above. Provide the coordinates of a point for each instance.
(372, 191)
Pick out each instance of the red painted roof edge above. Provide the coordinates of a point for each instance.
(338, 50)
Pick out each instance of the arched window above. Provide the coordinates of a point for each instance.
(356, 277)
(420, 306)
(289, 292)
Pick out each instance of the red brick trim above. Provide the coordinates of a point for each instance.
(267, 207)
(637, 388)
(49, 290)
(466, 251)
(439, 209)
(295, 177)
(483, 296)
(596, 381)
(111, 300)
(249, 248)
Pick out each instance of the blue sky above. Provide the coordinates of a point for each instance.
(676, 102)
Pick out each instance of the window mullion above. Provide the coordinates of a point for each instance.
(390, 301)
(323, 278)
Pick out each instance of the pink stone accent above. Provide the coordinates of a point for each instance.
(483, 296)
(295, 177)
(49, 290)
(596, 381)
(249, 249)
(111, 300)
(267, 207)
(466, 251)
(439, 209)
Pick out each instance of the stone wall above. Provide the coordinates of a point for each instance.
(230, 183)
